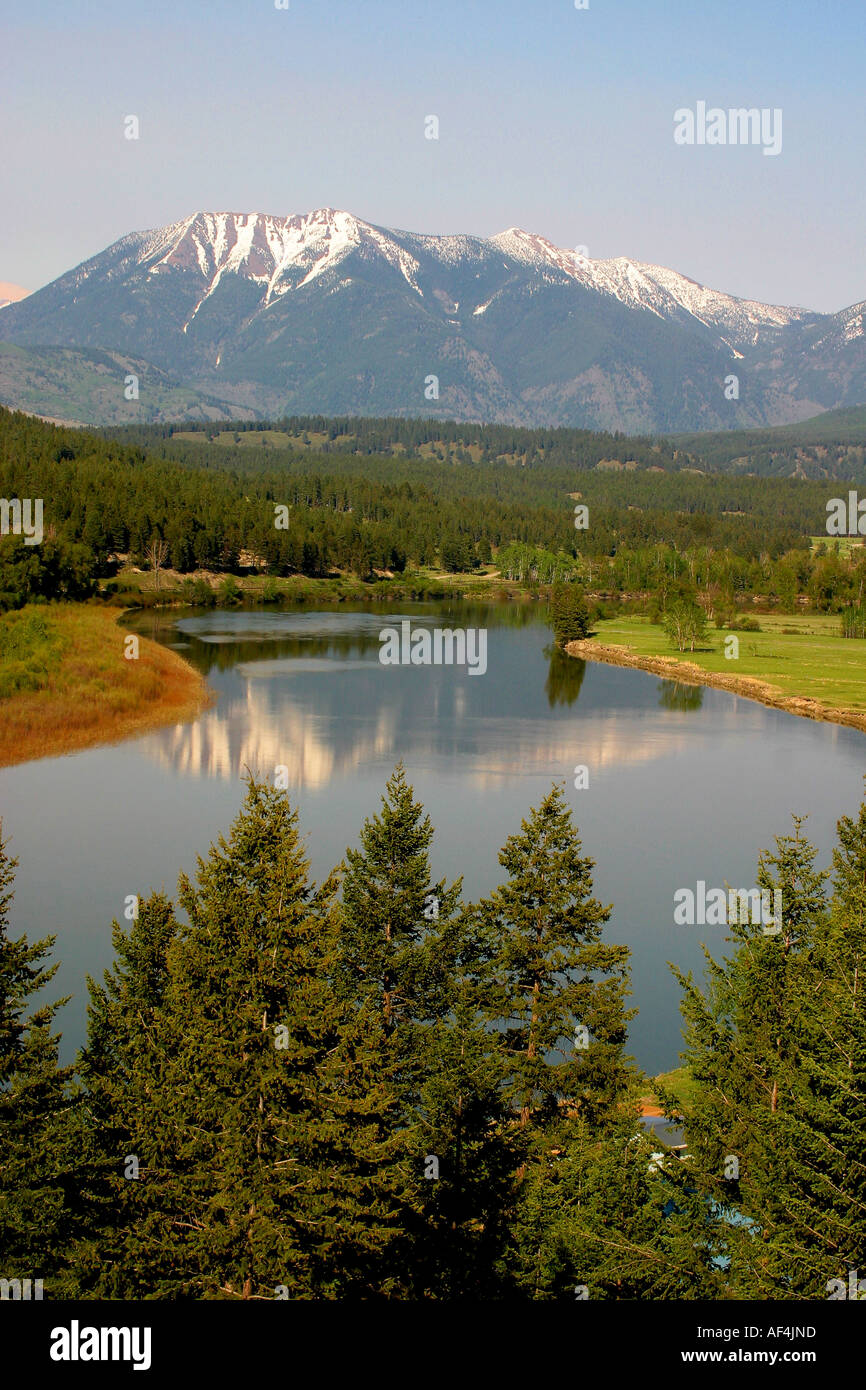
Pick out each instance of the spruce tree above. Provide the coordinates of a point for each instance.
(390, 905)
(559, 991)
(400, 946)
(471, 1150)
(569, 613)
(40, 1211)
(749, 1034)
(557, 1003)
(825, 1228)
(607, 1217)
(266, 1165)
(123, 1072)
(278, 1124)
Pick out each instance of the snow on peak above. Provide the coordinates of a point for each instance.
(853, 322)
(643, 286)
(285, 254)
(535, 250)
(280, 253)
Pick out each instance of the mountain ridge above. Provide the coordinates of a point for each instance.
(325, 312)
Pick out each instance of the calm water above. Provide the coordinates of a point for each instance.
(684, 784)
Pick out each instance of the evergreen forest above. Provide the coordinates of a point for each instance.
(370, 1088)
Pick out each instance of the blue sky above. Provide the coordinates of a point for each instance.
(552, 119)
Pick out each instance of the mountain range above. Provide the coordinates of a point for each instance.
(261, 316)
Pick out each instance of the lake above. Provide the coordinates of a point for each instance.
(685, 783)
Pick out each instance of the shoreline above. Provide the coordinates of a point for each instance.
(92, 697)
(690, 673)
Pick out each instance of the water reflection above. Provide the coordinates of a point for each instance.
(305, 691)
(564, 677)
(217, 640)
(677, 696)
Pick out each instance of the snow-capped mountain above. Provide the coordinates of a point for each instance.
(286, 253)
(278, 253)
(653, 287)
(324, 312)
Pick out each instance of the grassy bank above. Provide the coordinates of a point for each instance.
(65, 683)
(798, 663)
(680, 1083)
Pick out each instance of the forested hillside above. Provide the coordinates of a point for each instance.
(453, 440)
(832, 445)
(227, 507)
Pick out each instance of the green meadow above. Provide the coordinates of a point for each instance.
(801, 657)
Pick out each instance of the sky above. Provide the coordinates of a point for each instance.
(551, 118)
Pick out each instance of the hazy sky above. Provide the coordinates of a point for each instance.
(553, 119)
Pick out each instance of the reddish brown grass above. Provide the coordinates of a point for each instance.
(92, 694)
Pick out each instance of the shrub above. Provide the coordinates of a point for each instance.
(27, 646)
(198, 592)
(229, 592)
(731, 622)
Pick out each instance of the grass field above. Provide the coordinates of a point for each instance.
(795, 661)
(846, 546)
(65, 683)
(311, 439)
(680, 1083)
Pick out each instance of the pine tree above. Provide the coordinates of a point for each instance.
(569, 613)
(471, 1150)
(747, 1036)
(123, 1069)
(266, 1165)
(39, 1207)
(559, 988)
